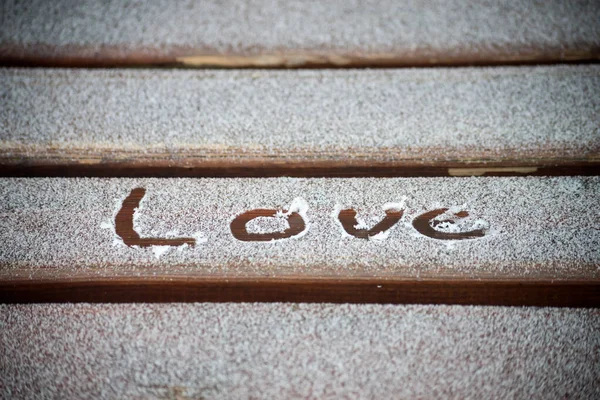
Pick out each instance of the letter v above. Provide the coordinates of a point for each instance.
(124, 225)
(348, 220)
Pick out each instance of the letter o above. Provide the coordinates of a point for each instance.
(238, 226)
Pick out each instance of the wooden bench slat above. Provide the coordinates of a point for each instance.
(525, 241)
(295, 34)
(534, 120)
(191, 351)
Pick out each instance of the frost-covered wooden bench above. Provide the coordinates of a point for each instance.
(483, 240)
(471, 182)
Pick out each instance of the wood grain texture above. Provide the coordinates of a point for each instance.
(296, 34)
(428, 122)
(523, 241)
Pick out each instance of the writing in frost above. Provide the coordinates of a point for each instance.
(441, 224)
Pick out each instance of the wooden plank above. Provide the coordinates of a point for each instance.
(199, 350)
(234, 34)
(428, 122)
(508, 241)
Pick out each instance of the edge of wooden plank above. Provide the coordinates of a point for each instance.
(564, 293)
(280, 166)
(112, 58)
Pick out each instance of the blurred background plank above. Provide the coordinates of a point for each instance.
(281, 33)
(421, 122)
(194, 351)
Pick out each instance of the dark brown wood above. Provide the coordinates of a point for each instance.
(280, 166)
(476, 292)
(113, 58)
(239, 231)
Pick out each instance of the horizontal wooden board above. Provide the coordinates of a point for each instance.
(449, 122)
(513, 241)
(200, 350)
(298, 33)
